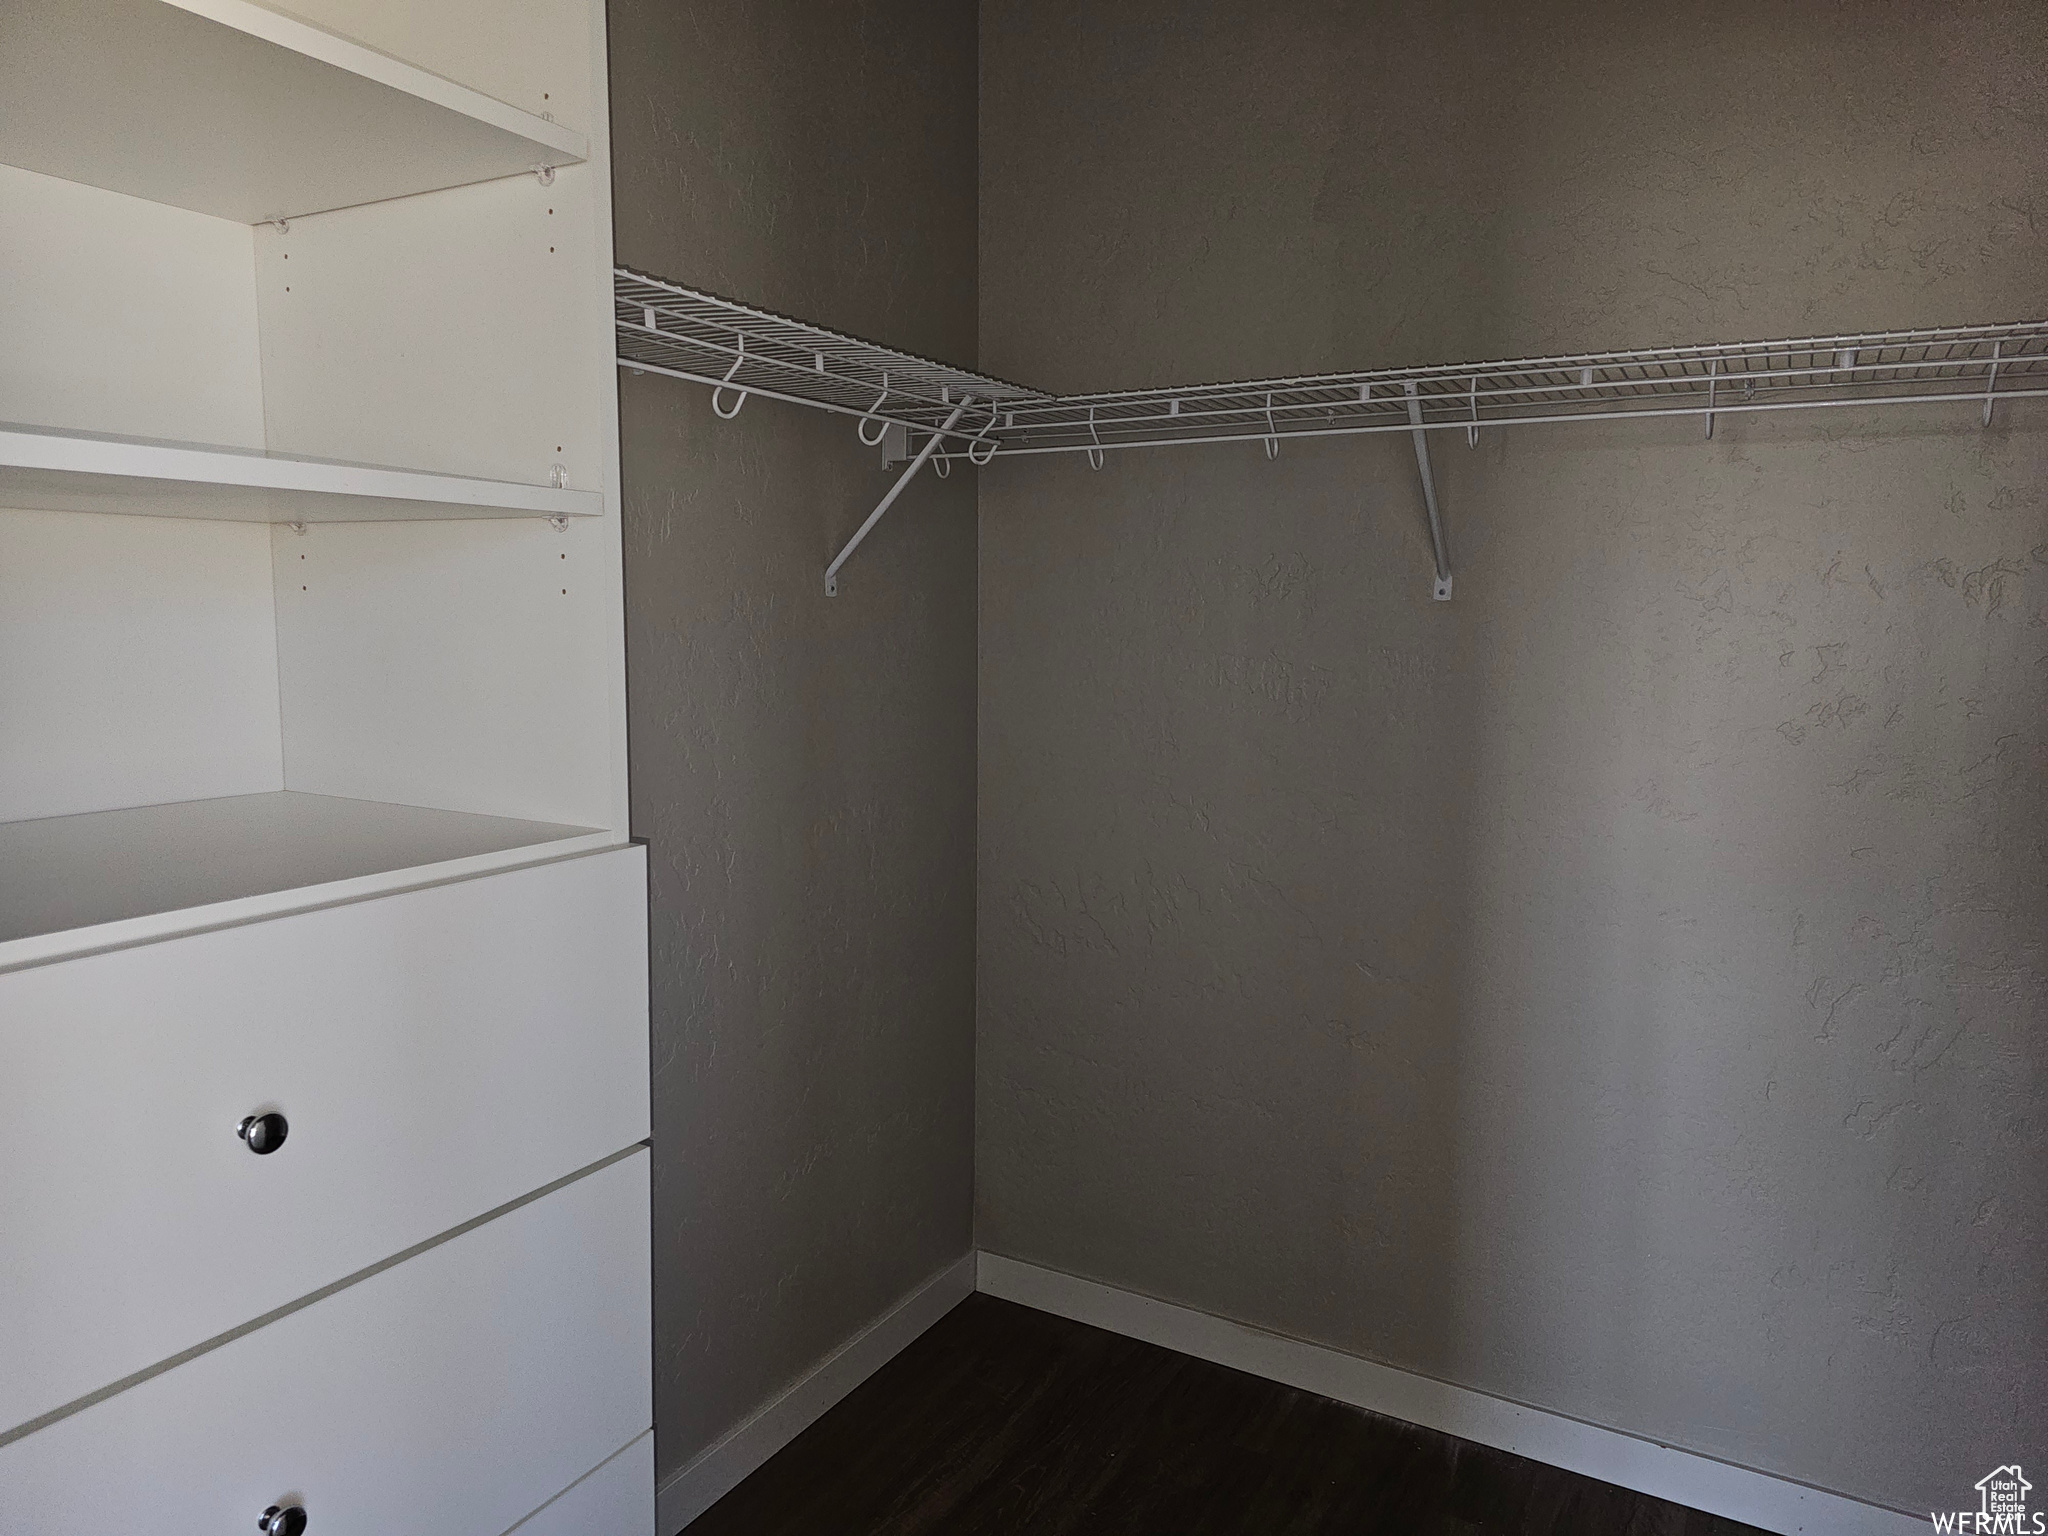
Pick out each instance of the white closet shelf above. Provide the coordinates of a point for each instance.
(1973, 365)
(231, 109)
(662, 327)
(73, 884)
(51, 470)
(686, 333)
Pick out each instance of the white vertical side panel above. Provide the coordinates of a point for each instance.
(529, 53)
(595, 294)
(451, 1393)
(138, 662)
(125, 316)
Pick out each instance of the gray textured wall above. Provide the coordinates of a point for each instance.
(1621, 988)
(804, 768)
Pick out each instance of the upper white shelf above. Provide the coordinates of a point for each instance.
(686, 333)
(79, 883)
(44, 469)
(229, 109)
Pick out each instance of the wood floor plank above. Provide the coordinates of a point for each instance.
(1004, 1421)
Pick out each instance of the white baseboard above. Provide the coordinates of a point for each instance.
(721, 1468)
(1701, 1482)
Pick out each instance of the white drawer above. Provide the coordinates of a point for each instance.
(450, 1394)
(436, 1054)
(616, 1499)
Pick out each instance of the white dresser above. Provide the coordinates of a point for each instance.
(323, 947)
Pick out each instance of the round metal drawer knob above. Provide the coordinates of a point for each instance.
(265, 1134)
(281, 1520)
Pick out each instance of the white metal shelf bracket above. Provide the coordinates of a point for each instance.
(923, 456)
(1441, 591)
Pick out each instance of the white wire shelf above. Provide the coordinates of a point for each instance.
(738, 350)
(1981, 364)
(664, 328)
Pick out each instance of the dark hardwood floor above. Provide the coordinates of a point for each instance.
(1006, 1420)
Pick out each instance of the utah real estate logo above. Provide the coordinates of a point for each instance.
(2001, 1510)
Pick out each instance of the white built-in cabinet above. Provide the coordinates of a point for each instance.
(323, 1075)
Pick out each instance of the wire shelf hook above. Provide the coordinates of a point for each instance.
(942, 465)
(995, 409)
(716, 409)
(1095, 453)
(1272, 432)
(1472, 432)
(1991, 382)
(860, 428)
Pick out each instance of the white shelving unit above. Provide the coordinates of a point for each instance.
(313, 811)
(663, 327)
(45, 469)
(412, 389)
(230, 109)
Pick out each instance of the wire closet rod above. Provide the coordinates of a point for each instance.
(1188, 410)
(1980, 363)
(1110, 445)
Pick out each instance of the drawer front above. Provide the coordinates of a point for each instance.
(435, 1055)
(616, 1499)
(449, 1394)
